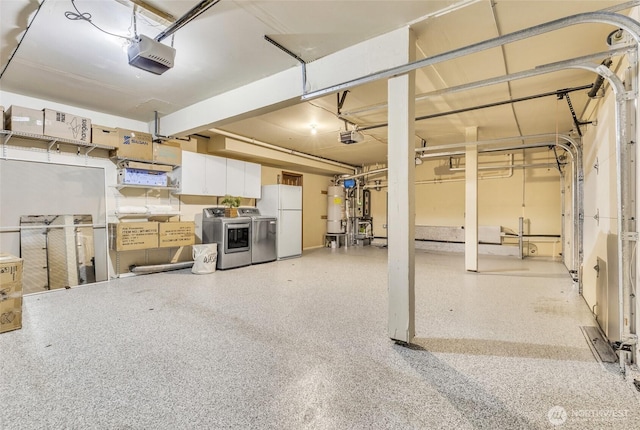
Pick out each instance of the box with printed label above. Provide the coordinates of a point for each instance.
(25, 120)
(134, 144)
(10, 292)
(132, 236)
(67, 126)
(167, 153)
(129, 176)
(102, 135)
(180, 233)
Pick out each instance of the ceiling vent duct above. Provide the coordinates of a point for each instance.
(147, 54)
(351, 137)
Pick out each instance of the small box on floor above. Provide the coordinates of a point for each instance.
(10, 292)
(67, 126)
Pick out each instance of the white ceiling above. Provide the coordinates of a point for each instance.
(73, 63)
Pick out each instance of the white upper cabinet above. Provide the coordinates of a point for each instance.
(201, 175)
(235, 177)
(252, 180)
(216, 175)
(208, 175)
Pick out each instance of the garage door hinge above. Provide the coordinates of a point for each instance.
(630, 235)
(629, 95)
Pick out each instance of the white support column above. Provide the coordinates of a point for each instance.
(401, 192)
(471, 202)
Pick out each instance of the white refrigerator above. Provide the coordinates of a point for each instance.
(285, 203)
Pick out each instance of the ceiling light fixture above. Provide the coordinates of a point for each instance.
(314, 130)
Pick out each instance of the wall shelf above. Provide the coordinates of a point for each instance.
(145, 187)
(120, 161)
(121, 215)
(9, 134)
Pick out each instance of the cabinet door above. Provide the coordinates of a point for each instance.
(216, 175)
(235, 177)
(192, 174)
(252, 180)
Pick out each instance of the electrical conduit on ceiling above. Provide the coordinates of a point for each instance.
(281, 149)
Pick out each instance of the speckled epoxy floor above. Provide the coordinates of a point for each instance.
(302, 344)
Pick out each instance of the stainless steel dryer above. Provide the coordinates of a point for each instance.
(263, 235)
(233, 236)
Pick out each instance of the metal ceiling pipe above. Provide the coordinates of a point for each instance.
(281, 149)
(359, 175)
(513, 166)
(616, 20)
(192, 14)
(539, 70)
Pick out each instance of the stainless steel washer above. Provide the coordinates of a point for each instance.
(233, 236)
(263, 235)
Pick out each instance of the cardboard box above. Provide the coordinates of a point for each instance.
(25, 120)
(173, 234)
(129, 176)
(147, 166)
(102, 135)
(134, 144)
(10, 314)
(167, 153)
(10, 269)
(131, 236)
(10, 292)
(67, 126)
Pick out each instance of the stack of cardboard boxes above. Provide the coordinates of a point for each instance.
(134, 236)
(48, 122)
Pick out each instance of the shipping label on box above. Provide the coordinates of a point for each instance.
(132, 236)
(176, 234)
(10, 314)
(24, 120)
(67, 126)
(102, 135)
(134, 144)
(167, 153)
(128, 176)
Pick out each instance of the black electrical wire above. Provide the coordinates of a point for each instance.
(86, 16)
(21, 39)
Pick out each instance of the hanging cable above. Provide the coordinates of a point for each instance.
(21, 39)
(86, 16)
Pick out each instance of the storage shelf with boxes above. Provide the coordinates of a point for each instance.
(137, 146)
(48, 125)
